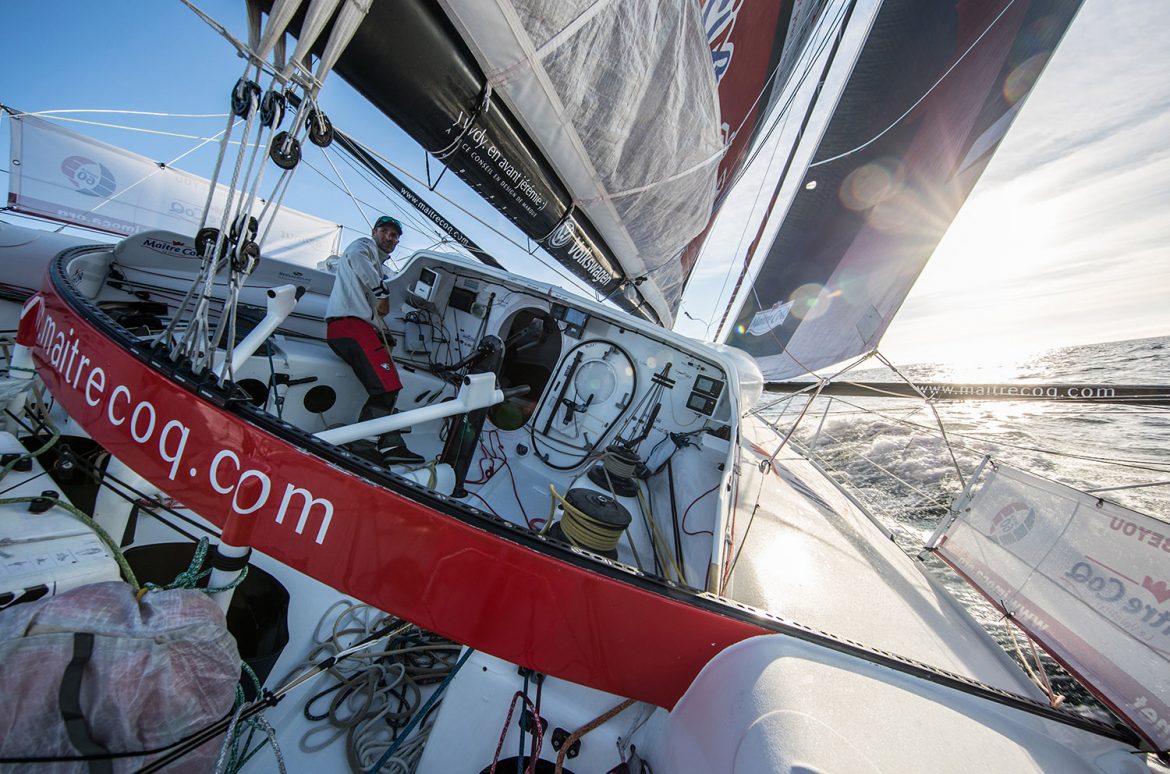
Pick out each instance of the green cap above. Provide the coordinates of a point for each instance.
(386, 220)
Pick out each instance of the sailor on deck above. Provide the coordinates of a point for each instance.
(357, 329)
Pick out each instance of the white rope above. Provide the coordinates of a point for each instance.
(375, 689)
(315, 20)
(52, 113)
(278, 21)
(348, 21)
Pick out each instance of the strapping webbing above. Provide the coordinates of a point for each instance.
(72, 714)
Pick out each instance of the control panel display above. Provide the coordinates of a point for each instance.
(574, 319)
(704, 395)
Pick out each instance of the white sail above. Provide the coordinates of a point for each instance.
(70, 178)
(1086, 578)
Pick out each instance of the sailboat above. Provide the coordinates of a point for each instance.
(637, 571)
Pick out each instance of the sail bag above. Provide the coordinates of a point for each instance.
(96, 671)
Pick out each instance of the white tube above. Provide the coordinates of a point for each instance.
(21, 370)
(220, 578)
(281, 302)
(478, 391)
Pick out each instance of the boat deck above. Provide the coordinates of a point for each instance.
(814, 558)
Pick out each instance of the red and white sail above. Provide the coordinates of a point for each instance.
(1087, 579)
(74, 179)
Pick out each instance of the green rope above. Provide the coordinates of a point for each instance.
(84, 518)
(190, 577)
(237, 758)
(53, 438)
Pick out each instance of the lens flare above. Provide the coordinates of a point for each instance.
(872, 183)
(811, 300)
(903, 213)
(1019, 82)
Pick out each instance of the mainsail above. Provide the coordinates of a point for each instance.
(603, 130)
(933, 91)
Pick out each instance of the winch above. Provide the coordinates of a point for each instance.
(591, 520)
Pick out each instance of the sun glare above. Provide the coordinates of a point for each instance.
(995, 236)
(973, 290)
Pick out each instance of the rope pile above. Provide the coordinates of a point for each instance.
(373, 697)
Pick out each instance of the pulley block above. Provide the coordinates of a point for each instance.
(320, 129)
(286, 151)
(250, 231)
(244, 95)
(205, 241)
(272, 108)
(246, 259)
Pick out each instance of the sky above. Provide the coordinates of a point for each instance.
(1065, 240)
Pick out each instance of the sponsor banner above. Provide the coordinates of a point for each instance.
(70, 178)
(1148, 395)
(1087, 579)
(469, 579)
(410, 197)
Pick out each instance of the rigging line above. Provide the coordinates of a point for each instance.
(820, 47)
(159, 168)
(830, 59)
(130, 128)
(927, 93)
(411, 215)
(744, 231)
(352, 198)
(126, 113)
(817, 384)
(365, 202)
(934, 410)
(760, 95)
(1129, 486)
(784, 441)
(241, 48)
(1124, 463)
(781, 119)
(925, 495)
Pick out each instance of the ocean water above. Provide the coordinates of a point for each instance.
(892, 455)
(893, 449)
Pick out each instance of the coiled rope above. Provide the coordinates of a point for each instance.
(582, 529)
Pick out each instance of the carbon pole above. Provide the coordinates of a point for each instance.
(1135, 395)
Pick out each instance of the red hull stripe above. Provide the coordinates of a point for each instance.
(455, 578)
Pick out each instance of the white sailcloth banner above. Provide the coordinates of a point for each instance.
(1087, 579)
(70, 178)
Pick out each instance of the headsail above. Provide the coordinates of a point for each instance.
(602, 130)
(1085, 578)
(934, 89)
